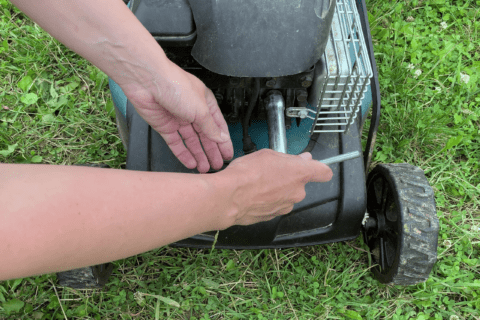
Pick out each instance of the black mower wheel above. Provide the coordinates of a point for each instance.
(93, 277)
(401, 225)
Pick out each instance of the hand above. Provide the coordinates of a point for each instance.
(186, 114)
(268, 184)
(173, 102)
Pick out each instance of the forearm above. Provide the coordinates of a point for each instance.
(56, 218)
(106, 33)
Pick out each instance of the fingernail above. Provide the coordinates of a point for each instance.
(305, 156)
(225, 137)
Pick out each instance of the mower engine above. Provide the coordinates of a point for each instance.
(242, 60)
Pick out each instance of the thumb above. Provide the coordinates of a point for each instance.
(207, 126)
(316, 171)
(306, 156)
(206, 123)
(320, 172)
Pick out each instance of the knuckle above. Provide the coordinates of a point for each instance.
(264, 151)
(300, 196)
(286, 210)
(202, 115)
(309, 175)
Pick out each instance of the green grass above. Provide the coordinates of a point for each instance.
(52, 110)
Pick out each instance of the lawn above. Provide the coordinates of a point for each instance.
(55, 108)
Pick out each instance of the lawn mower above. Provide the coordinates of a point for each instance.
(293, 76)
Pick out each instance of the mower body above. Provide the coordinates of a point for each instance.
(242, 51)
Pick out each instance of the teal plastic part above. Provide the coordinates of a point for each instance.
(297, 137)
(367, 101)
(119, 98)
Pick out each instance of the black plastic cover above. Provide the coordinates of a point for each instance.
(258, 38)
(331, 211)
(169, 21)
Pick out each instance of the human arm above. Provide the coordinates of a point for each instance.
(56, 218)
(174, 102)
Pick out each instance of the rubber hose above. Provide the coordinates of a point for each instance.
(248, 145)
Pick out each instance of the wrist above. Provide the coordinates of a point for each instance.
(141, 66)
(225, 210)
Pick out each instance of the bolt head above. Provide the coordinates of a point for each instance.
(271, 83)
(302, 114)
(306, 83)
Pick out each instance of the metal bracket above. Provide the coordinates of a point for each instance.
(300, 113)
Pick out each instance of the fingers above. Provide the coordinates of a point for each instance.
(207, 153)
(283, 211)
(315, 170)
(319, 172)
(206, 156)
(306, 156)
(213, 124)
(175, 142)
(192, 154)
(278, 213)
(226, 148)
(215, 111)
(204, 122)
(192, 143)
(213, 153)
